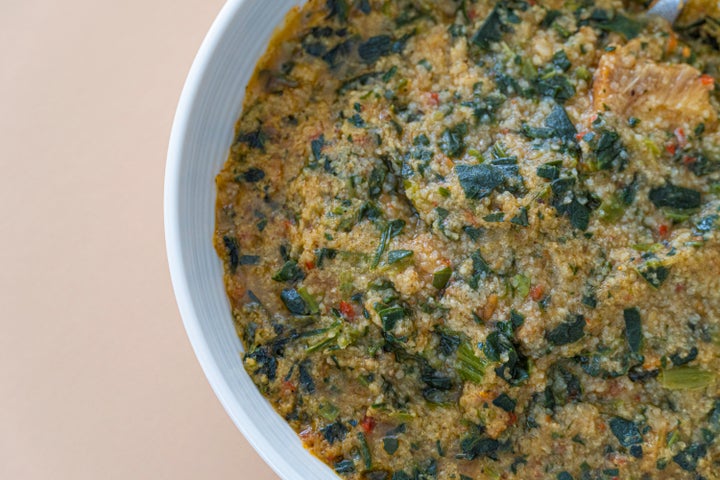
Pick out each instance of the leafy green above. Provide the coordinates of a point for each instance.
(628, 434)
(672, 196)
(505, 402)
(570, 331)
(395, 256)
(233, 252)
(441, 277)
(688, 458)
(686, 378)
(633, 329)
(289, 272)
(490, 31)
(294, 302)
(374, 48)
(469, 366)
(452, 140)
(478, 181)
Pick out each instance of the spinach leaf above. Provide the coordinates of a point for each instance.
(233, 251)
(452, 140)
(374, 48)
(478, 181)
(334, 432)
(395, 256)
(255, 139)
(253, 175)
(626, 26)
(672, 196)
(305, 379)
(505, 402)
(633, 329)
(628, 434)
(688, 458)
(560, 125)
(490, 31)
(289, 272)
(570, 331)
(294, 302)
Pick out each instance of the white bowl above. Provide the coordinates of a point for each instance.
(201, 136)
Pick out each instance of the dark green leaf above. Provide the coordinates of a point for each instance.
(688, 458)
(561, 60)
(306, 382)
(633, 329)
(233, 252)
(548, 171)
(334, 432)
(452, 140)
(364, 450)
(397, 255)
(490, 31)
(505, 402)
(253, 175)
(560, 124)
(441, 277)
(627, 432)
(289, 272)
(254, 139)
(345, 466)
(390, 445)
(478, 181)
(673, 196)
(521, 218)
(390, 316)
(374, 48)
(294, 302)
(375, 183)
(627, 27)
(679, 360)
(495, 217)
(567, 332)
(654, 273)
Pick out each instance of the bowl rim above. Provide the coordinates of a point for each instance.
(271, 454)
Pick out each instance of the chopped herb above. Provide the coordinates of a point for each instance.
(334, 432)
(686, 378)
(688, 458)
(673, 196)
(608, 151)
(564, 476)
(555, 86)
(294, 302)
(344, 466)
(441, 277)
(390, 316)
(375, 183)
(521, 285)
(633, 329)
(233, 251)
(469, 366)
(628, 434)
(490, 31)
(494, 217)
(561, 60)
(478, 181)
(477, 445)
(374, 48)
(549, 171)
(395, 256)
(505, 402)
(253, 175)
(310, 301)
(560, 124)
(364, 450)
(254, 139)
(570, 331)
(521, 218)
(452, 140)
(679, 360)
(289, 272)
(654, 272)
(627, 27)
(307, 384)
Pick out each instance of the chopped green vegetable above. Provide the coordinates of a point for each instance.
(633, 329)
(673, 196)
(570, 331)
(441, 277)
(395, 256)
(452, 140)
(686, 378)
(294, 302)
(505, 402)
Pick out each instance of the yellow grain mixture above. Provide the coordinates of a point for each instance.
(467, 239)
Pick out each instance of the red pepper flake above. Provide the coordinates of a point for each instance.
(689, 161)
(679, 288)
(536, 292)
(681, 138)
(664, 231)
(310, 265)
(367, 424)
(579, 136)
(512, 418)
(288, 387)
(707, 80)
(434, 98)
(347, 310)
(671, 148)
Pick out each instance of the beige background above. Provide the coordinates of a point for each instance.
(97, 377)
